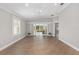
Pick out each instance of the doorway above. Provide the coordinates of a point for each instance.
(56, 30)
(40, 29)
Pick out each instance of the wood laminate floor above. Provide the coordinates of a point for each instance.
(39, 46)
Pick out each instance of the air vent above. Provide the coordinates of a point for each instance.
(52, 15)
(61, 3)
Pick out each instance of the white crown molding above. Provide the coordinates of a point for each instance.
(67, 4)
(11, 12)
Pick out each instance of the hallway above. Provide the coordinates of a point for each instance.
(39, 46)
(26, 21)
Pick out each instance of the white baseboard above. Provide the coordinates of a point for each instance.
(11, 43)
(77, 49)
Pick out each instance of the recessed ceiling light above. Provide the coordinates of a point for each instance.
(55, 4)
(58, 4)
(26, 4)
(40, 10)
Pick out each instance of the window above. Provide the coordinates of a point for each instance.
(16, 26)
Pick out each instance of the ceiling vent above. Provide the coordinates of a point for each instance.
(52, 15)
(61, 3)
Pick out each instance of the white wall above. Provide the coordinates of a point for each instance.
(6, 35)
(50, 28)
(29, 28)
(69, 25)
(55, 20)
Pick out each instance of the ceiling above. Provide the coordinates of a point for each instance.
(34, 10)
